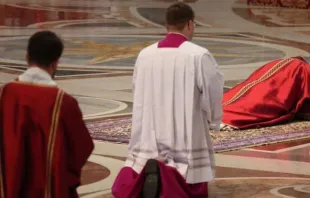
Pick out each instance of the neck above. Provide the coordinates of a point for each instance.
(48, 70)
(178, 32)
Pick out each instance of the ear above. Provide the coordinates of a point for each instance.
(193, 23)
(55, 64)
(190, 24)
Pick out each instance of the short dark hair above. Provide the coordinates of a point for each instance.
(44, 48)
(178, 15)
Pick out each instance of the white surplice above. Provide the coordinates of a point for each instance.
(177, 99)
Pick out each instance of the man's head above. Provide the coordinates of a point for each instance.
(44, 50)
(180, 18)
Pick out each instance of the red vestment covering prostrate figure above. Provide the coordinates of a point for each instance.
(273, 94)
(44, 142)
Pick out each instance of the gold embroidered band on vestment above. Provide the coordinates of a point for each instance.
(51, 143)
(267, 75)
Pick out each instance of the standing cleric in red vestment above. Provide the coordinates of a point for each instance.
(275, 93)
(44, 141)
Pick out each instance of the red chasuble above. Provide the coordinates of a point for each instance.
(44, 142)
(273, 94)
(128, 183)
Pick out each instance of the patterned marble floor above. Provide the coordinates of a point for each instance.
(102, 40)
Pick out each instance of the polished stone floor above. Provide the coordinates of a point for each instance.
(102, 39)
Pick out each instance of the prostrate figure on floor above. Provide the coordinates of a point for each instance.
(178, 91)
(44, 141)
(275, 93)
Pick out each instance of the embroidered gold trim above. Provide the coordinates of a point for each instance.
(1, 171)
(51, 143)
(267, 75)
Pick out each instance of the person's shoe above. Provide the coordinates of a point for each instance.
(152, 185)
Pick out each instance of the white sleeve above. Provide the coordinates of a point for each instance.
(210, 84)
(134, 80)
(134, 77)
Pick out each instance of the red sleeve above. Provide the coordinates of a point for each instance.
(80, 142)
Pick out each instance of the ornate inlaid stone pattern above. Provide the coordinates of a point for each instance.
(282, 3)
(102, 39)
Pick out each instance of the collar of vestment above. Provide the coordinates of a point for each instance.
(172, 40)
(36, 75)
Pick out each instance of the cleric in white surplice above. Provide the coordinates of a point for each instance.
(178, 91)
